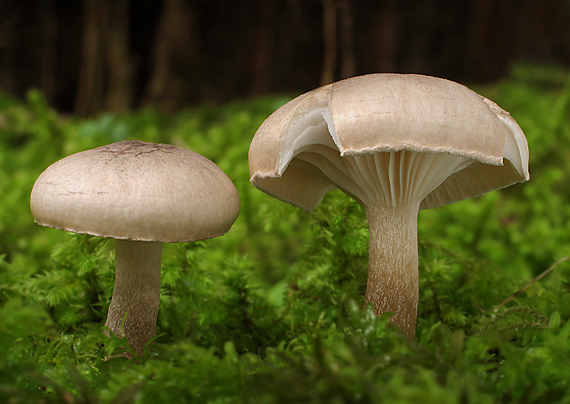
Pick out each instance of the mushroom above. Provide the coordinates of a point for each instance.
(396, 143)
(141, 194)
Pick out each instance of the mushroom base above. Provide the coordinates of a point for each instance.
(393, 263)
(136, 296)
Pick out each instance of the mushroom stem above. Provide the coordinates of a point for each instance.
(393, 267)
(136, 292)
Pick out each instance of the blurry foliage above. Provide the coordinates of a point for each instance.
(273, 311)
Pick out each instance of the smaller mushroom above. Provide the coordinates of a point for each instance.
(141, 194)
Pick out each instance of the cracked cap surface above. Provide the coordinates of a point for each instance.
(137, 191)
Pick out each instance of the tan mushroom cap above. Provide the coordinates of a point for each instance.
(137, 191)
(388, 138)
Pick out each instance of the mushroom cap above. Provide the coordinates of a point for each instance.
(388, 138)
(137, 191)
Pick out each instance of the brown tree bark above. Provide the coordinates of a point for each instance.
(175, 56)
(105, 80)
(346, 33)
(386, 38)
(329, 41)
(337, 40)
(119, 66)
(49, 51)
(263, 46)
(81, 56)
(90, 88)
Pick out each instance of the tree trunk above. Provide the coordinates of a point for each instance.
(176, 49)
(49, 51)
(263, 46)
(90, 89)
(119, 66)
(387, 27)
(329, 41)
(347, 63)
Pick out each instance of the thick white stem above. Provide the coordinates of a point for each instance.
(136, 292)
(393, 263)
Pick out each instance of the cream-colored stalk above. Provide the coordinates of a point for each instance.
(136, 296)
(393, 264)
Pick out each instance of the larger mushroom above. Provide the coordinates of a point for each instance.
(141, 194)
(396, 144)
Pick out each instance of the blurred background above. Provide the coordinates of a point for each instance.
(90, 56)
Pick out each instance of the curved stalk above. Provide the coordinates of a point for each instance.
(137, 292)
(393, 267)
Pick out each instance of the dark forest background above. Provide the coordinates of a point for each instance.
(93, 55)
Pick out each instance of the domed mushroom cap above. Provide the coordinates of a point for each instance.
(138, 191)
(388, 138)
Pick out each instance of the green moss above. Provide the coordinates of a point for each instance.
(273, 311)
